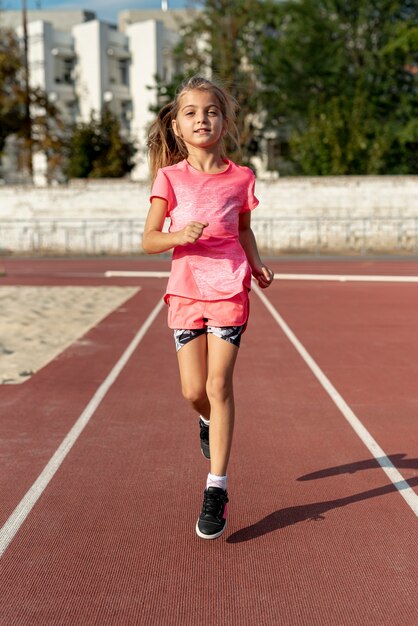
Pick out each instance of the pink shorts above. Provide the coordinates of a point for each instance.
(186, 313)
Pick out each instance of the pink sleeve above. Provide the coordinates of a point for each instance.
(252, 201)
(162, 189)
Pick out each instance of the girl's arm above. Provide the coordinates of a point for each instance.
(155, 241)
(260, 271)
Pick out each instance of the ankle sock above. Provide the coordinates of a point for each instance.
(216, 481)
(205, 421)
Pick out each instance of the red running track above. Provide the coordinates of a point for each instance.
(317, 534)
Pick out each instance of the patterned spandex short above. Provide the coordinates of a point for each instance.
(232, 334)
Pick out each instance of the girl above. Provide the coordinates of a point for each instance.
(208, 200)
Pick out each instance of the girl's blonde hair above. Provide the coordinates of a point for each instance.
(164, 147)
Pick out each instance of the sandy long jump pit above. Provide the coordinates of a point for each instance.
(38, 323)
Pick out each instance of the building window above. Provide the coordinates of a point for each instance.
(68, 71)
(73, 111)
(64, 71)
(126, 114)
(124, 71)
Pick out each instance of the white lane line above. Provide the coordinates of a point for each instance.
(21, 512)
(325, 277)
(135, 274)
(396, 478)
(349, 278)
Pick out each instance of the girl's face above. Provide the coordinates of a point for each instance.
(199, 122)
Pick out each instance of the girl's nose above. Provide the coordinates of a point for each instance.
(202, 117)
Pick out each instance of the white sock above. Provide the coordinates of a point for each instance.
(216, 481)
(205, 421)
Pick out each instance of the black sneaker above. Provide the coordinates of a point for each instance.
(204, 439)
(212, 520)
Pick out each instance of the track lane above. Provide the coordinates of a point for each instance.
(25, 506)
(365, 339)
(39, 413)
(396, 478)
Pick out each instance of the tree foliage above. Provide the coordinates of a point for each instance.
(341, 77)
(335, 79)
(98, 150)
(11, 102)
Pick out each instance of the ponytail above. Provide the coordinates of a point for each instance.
(163, 147)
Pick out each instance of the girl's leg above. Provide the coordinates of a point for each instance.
(192, 360)
(221, 361)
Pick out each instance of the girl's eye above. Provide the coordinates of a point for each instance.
(189, 113)
(213, 112)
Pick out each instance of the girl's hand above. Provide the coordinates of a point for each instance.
(264, 276)
(191, 233)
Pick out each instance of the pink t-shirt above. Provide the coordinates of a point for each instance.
(215, 267)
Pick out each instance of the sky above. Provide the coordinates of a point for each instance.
(104, 9)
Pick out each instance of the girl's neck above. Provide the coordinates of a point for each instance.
(207, 162)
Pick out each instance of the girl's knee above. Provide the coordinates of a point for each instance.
(218, 389)
(194, 395)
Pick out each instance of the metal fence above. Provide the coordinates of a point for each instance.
(99, 236)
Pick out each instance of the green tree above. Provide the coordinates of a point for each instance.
(48, 131)
(82, 150)
(11, 103)
(340, 77)
(98, 150)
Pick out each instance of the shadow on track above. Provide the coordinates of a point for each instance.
(398, 460)
(316, 511)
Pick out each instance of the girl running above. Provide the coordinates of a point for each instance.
(209, 200)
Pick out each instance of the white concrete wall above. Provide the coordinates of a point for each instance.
(295, 214)
(340, 196)
(293, 197)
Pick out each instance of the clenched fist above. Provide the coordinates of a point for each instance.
(191, 233)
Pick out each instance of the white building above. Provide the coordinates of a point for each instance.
(83, 64)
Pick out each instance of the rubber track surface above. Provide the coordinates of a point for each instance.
(317, 536)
